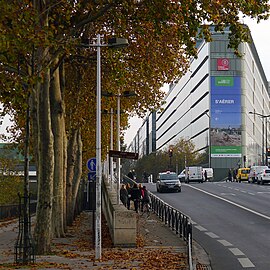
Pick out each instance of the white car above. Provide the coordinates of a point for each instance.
(167, 181)
(182, 176)
(264, 177)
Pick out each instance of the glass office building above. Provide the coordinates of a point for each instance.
(211, 106)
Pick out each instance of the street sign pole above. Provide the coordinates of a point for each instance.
(98, 157)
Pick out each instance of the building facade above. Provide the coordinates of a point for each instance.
(219, 104)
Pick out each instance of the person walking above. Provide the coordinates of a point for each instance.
(205, 176)
(124, 195)
(129, 195)
(135, 196)
(229, 175)
(146, 200)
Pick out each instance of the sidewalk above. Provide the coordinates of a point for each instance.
(157, 248)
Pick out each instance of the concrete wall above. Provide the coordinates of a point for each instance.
(122, 222)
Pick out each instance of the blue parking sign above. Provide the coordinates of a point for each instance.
(91, 164)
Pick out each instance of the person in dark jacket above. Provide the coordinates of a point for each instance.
(129, 195)
(124, 195)
(135, 196)
(146, 198)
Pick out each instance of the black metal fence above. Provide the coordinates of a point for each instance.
(177, 221)
(12, 211)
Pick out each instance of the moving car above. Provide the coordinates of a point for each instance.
(242, 174)
(254, 171)
(168, 181)
(264, 177)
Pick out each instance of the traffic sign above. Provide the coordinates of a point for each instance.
(91, 164)
(92, 176)
(120, 154)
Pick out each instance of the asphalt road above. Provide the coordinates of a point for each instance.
(230, 220)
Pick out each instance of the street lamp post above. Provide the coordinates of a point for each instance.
(118, 164)
(209, 138)
(264, 125)
(115, 43)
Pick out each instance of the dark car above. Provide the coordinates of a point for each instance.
(168, 181)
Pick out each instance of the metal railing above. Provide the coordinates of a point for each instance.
(173, 218)
(12, 211)
(177, 221)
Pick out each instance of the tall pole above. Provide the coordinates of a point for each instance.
(266, 157)
(98, 156)
(111, 158)
(262, 141)
(118, 148)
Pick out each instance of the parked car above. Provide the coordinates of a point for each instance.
(242, 174)
(264, 176)
(168, 181)
(254, 171)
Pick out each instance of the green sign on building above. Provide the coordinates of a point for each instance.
(224, 81)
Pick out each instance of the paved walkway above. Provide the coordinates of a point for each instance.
(157, 248)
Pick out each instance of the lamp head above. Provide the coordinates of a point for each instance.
(118, 42)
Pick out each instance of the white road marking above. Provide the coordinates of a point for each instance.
(225, 243)
(246, 263)
(212, 235)
(226, 194)
(233, 203)
(236, 251)
(200, 228)
(250, 193)
(262, 192)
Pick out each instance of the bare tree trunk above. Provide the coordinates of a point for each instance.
(57, 117)
(78, 170)
(43, 232)
(63, 85)
(71, 159)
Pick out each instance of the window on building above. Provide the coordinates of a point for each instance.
(253, 129)
(253, 66)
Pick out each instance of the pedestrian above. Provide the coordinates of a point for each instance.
(130, 175)
(234, 175)
(229, 175)
(146, 198)
(135, 196)
(205, 175)
(142, 194)
(129, 195)
(124, 195)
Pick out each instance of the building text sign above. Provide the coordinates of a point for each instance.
(223, 64)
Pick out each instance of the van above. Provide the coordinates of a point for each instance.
(242, 174)
(194, 174)
(210, 174)
(254, 171)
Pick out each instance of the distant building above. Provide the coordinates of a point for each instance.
(210, 105)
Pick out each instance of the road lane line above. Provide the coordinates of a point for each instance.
(225, 243)
(200, 228)
(212, 235)
(236, 251)
(233, 203)
(246, 263)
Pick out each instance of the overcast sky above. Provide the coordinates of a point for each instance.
(261, 36)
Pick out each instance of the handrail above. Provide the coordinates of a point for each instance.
(176, 220)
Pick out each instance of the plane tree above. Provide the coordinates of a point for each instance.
(41, 42)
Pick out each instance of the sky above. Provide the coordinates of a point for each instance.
(261, 36)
